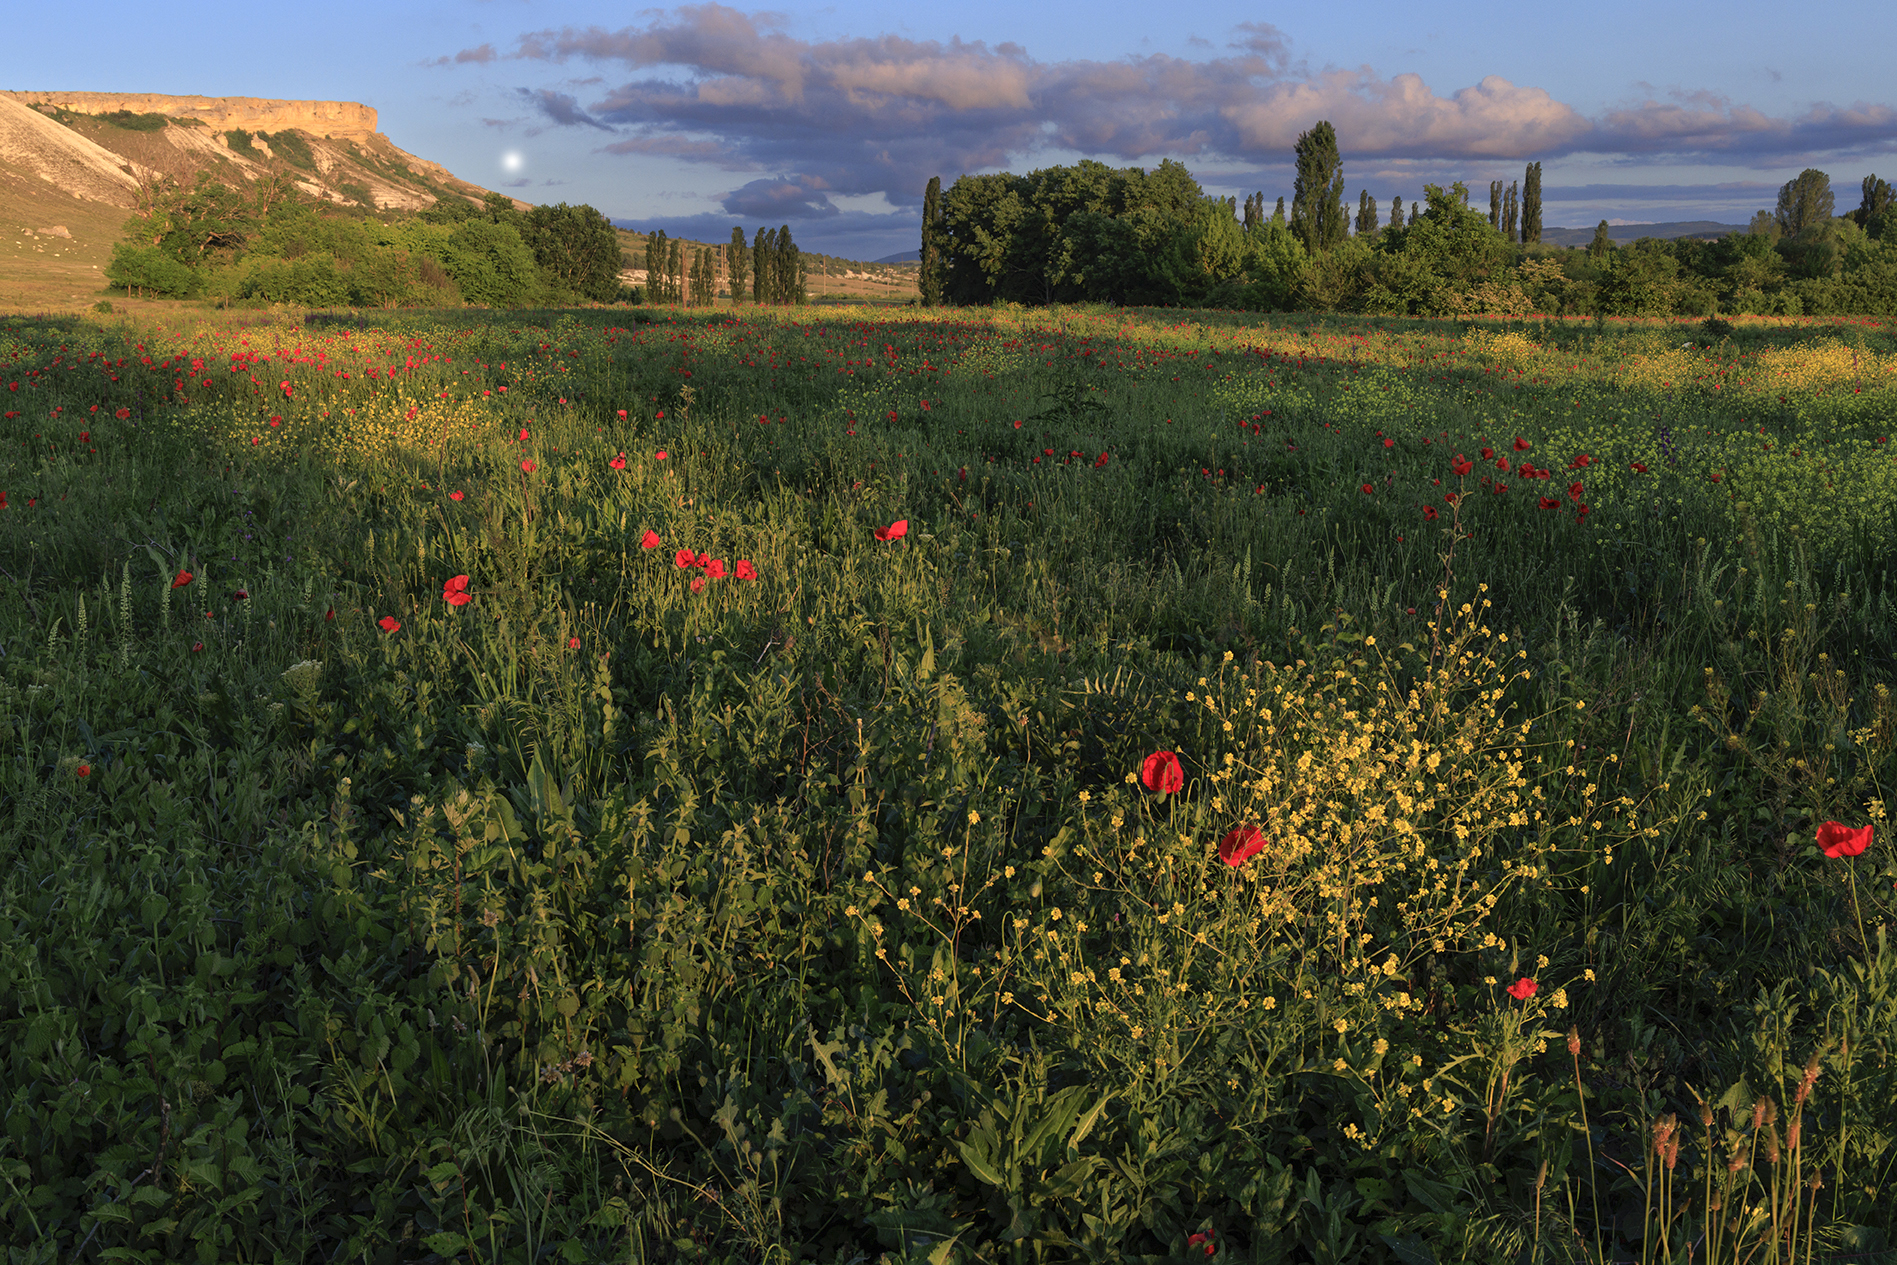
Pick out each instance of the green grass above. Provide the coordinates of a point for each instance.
(630, 912)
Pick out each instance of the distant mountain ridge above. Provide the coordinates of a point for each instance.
(1710, 230)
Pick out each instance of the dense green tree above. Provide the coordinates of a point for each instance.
(1495, 204)
(147, 271)
(675, 272)
(1278, 216)
(1602, 243)
(656, 256)
(208, 222)
(1436, 263)
(575, 248)
(1804, 200)
(491, 265)
(1396, 211)
(1511, 212)
(1255, 211)
(1764, 224)
(1317, 208)
(929, 270)
(1531, 205)
(738, 256)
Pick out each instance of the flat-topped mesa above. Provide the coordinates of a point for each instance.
(345, 119)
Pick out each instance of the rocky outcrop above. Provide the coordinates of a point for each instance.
(340, 119)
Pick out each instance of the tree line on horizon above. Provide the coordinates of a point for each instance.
(1092, 233)
(271, 243)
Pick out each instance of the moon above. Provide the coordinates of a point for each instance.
(512, 161)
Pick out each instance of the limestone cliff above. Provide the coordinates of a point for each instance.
(343, 120)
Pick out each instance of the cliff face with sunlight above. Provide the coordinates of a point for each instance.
(337, 119)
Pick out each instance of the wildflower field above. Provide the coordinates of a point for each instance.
(970, 785)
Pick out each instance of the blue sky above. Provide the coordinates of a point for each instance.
(695, 118)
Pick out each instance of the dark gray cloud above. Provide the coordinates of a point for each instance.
(560, 108)
(781, 199)
(708, 83)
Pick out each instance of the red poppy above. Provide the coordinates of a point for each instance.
(199, 646)
(1840, 840)
(240, 595)
(895, 531)
(523, 434)
(1637, 467)
(660, 454)
(1549, 503)
(329, 615)
(1488, 454)
(1429, 513)
(389, 624)
(181, 579)
(1462, 465)
(650, 540)
(84, 770)
(715, 568)
(529, 466)
(1521, 445)
(745, 570)
(619, 462)
(572, 643)
(1241, 845)
(123, 414)
(455, 591)
(1201, 1240)
(698, 584)
(622, 415)
(684, 558)
(1574, 491)
(1581, 462)
(1160, 772)
(1522, 989)
(1368, 490)
(702, 561)
(456, 496)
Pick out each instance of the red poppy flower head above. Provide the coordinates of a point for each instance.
(715, 568)
(702, 561)
(745, 571)
(1549, 503)
(1160, 772)
(240, 595)
(1202, 1241)
(329, 616)
(197, 648)
(523, 434)
(84, 770)
(1575, 490)
(457, 496)
(684, 558)
(455, 591)
(1522, 989)
(622, 415)
(895, 531)
(572, 643)
(528, 465)
(660, 454)
(650, 540)
(123, 414)
(1368, 490)
(619, 462)
(1462, 465)
(1488, 454)
(1241, 845)
(181, 579)
(1637, 467)
(389, 624)
(1521, 445)
(1429, 513)
(1840, 840)
(698, 584)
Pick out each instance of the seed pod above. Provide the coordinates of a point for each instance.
(1758, 1113)
(1574, 1041)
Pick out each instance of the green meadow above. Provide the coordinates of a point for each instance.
(963, 785)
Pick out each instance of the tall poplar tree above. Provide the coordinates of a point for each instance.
(787, 269)
(656, 257)
(1317, 206)
(930, 278)
(1255, 211)
(1876, 197)
(1277, 216)
(1602, 243)
(1511, 212)
(1495, 204)
(1531, 205)
(739, 256)
(763, 247)
(1396, 211)
(675, 278)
